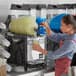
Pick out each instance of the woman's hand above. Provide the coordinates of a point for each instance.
(44, 24)
(48, 30)
(38, 48)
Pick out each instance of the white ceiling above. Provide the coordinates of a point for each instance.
(43, 1)
(5, 4)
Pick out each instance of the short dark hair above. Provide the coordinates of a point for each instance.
(70, 19)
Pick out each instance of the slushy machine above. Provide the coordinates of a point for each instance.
(30, 57)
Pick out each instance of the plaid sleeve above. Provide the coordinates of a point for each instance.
(57, 37)
(64, 50)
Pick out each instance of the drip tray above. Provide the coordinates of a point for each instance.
(36, 62)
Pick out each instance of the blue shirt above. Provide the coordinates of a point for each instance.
(67, 49)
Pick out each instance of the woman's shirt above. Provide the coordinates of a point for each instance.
(67, 49)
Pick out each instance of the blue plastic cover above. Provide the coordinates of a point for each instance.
(55, 22)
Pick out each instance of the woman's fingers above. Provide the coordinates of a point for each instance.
(38, 48)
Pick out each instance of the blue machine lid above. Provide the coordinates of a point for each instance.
(39, 20)
(41, 30)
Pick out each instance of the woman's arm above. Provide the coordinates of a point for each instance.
(52, 35)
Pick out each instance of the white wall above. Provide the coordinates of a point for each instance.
(4, 9)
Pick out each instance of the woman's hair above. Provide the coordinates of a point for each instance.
(70, 19)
